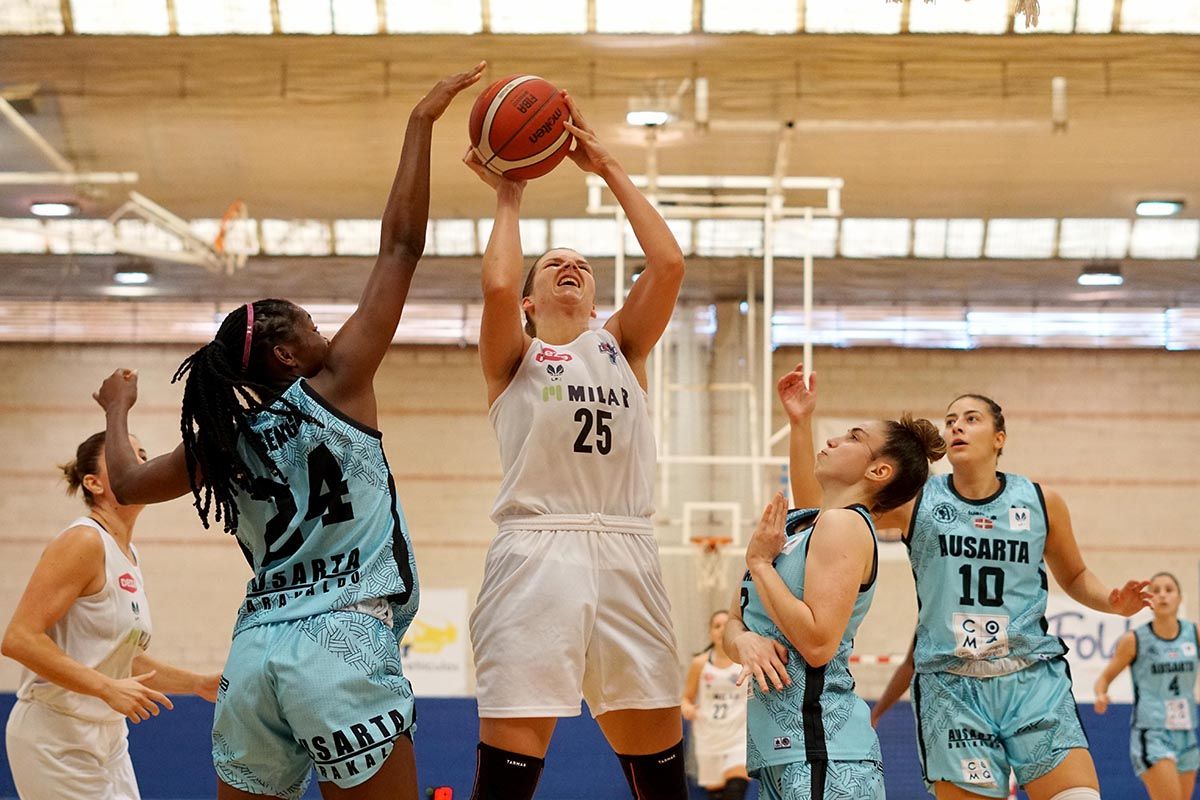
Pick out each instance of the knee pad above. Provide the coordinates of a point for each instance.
(504, 775)
(658, 776)
(735, 789)
(1079, 793)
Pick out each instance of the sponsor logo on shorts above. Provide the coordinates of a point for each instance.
(958, 738)
(978, 771)
(128, 583)
(783, 743)
(1018, 518)
(945, 513)
(356, 749)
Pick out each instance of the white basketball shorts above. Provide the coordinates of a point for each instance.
(571, 608)
(54, 756)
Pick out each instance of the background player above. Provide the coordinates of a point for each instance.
(1162, 660)
(80, 631)
(716, 706)
(992, 691)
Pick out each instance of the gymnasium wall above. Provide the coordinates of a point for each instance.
(1116, 432)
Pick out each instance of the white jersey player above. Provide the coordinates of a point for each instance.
(79, 632)
(572, 604)
(716, 707)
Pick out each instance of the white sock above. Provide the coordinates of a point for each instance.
(1079, 793)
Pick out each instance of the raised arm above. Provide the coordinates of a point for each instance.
(640, 322)
(799, 402)
(70, 568)
(358, 348)
(502, 338)
(1123, 656)
(134, 481)
(1080, 583)
(839, 554)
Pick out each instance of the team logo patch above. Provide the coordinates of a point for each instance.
(978, 771)
(555, 371)
(609, 350)
(1189, 650)
(983, 523)
(945, 513)
(127, 583)
(133, 606)
(550, 354)
(783, 743)
(1018, 519)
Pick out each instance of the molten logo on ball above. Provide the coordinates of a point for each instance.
(517, 127)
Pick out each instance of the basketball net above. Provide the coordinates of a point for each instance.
(1029, 8)
(711, 566)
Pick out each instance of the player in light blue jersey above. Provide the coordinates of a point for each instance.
(280, 434)
(1163, 661)
(992, 691)
(810, 580)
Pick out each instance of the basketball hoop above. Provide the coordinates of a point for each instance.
(712, 570)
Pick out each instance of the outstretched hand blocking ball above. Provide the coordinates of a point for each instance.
(517, 127)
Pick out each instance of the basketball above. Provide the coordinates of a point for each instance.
(517, 127)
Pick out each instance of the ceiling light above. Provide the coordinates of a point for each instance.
(1159, 208)
(1101, 274)
(133, 275)
(53, 209)
(648, 119)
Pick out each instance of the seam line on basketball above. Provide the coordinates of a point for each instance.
(509, 140)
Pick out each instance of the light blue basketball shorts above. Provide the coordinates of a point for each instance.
(822, 780)
(325, 692)
(972, 731)
(1148, 746)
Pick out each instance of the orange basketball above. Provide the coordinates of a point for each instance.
(517, 127)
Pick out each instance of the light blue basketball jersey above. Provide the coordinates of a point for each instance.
(1164, 678)
(331, 532)
(818, 717)
(981, 581)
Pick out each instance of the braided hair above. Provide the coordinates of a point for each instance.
(224, 388)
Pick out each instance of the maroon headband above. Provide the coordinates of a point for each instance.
(249, 335)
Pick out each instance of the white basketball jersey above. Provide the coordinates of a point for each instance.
(720, 723)
(103, 631)
(575, 434)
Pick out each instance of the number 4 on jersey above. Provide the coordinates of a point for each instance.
(327, 489)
